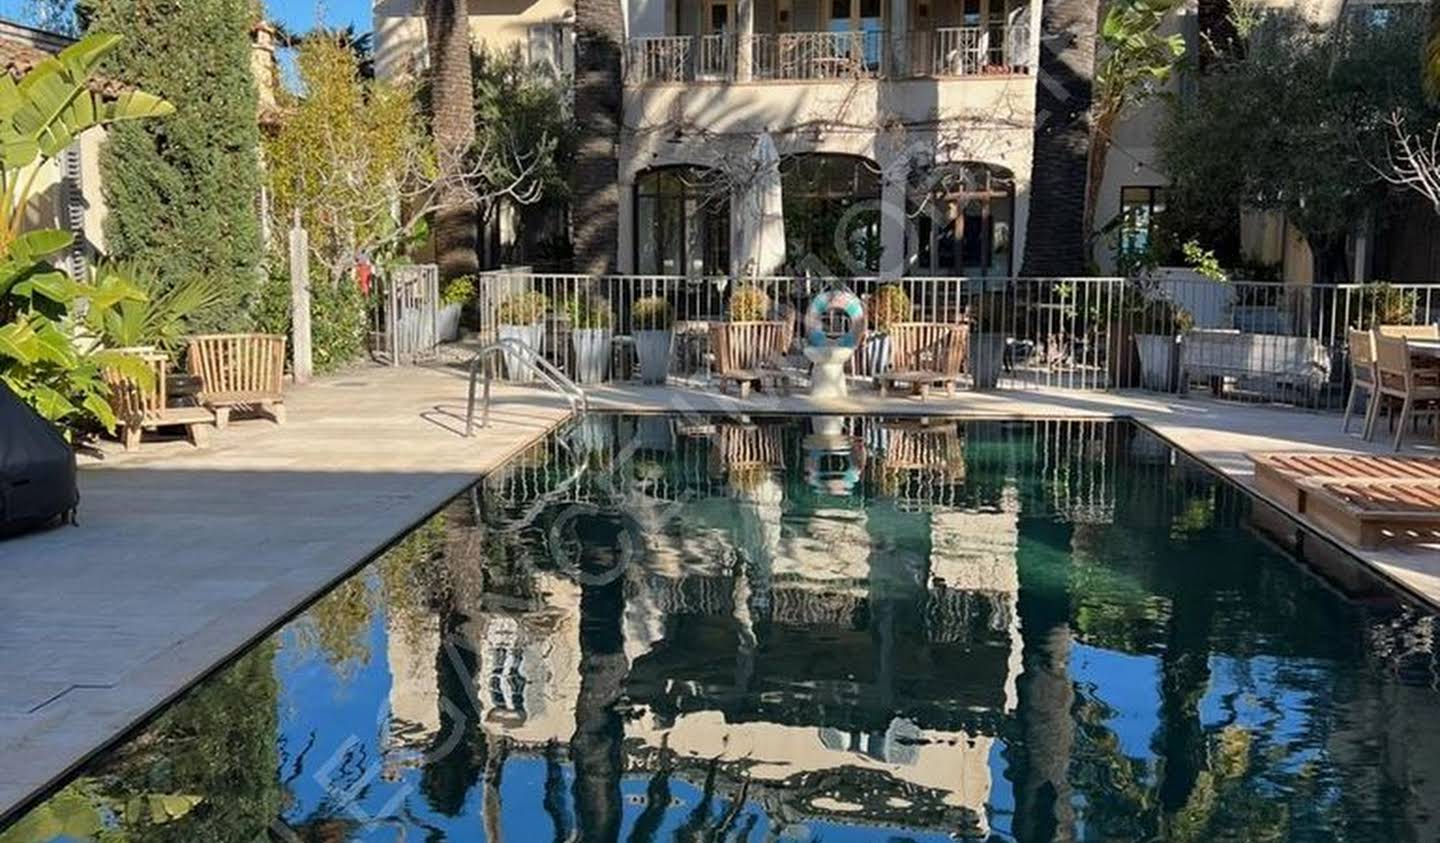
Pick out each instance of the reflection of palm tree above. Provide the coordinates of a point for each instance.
(1043, 811)
(595, 749)
(447, 778)
(657, 803)
(554, 800)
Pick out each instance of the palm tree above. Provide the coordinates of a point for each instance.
(1055, 234)
(595, 179)
(452, 117)
(1432, 52)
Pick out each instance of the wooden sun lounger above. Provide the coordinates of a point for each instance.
(749, 353)
(1358, 498)
(1278, 475)
(1371, 513)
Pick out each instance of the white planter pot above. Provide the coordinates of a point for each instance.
(592, 354)
(653, 348)
(447, 323)
(987, 358)
(531, 335)
(1158, 361)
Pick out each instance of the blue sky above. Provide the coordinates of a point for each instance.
(298, 15)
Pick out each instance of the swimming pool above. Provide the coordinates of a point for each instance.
(804, 629)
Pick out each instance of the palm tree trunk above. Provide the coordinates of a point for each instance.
(595, 179)
(453, 121)
(1055, 234)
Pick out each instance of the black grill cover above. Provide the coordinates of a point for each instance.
(37, 469)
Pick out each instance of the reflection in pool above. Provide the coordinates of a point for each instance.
(728, 629)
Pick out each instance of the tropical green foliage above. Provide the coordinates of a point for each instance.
(523, 117)
(181, 195)
(48, 351)
(1294, 124)
(165, 315)
(458, 290)
(1136, 61)
(345, 152)
(338, 318)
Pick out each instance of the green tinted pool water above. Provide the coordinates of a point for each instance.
(779, 629)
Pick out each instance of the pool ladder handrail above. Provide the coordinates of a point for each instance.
(548, 373)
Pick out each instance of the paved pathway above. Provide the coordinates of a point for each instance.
(182, 557)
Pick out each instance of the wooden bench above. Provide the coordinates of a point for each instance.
(146, 407)
(1215, 355)
(240, 370)
(925, 354)
(749, 353)
(1364, 500)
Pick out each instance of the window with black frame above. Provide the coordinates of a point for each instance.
(682, 223)
(832, 214)
(1139, 207)
(962, 222)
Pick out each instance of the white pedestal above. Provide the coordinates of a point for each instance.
(827, 371)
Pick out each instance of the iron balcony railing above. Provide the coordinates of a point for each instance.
(1271, 342)
(965, 51)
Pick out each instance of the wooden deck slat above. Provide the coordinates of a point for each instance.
(1362, 499)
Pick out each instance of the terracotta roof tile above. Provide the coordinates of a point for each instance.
(19, 58)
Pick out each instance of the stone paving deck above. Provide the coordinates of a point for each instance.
(184, 556)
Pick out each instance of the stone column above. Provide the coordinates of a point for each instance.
(899, 33)
(744, 40)
(893, 219)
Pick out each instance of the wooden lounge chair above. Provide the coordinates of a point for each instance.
(925, 354)
(138, 408)
(748, 353)
(1278, 475)
(1371, 513)
(240, 370)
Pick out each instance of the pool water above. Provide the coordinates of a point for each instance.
(811, 629)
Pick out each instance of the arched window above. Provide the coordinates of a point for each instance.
(832, 214)
(962, 221)
(682, 222)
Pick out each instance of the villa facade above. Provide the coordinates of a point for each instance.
(904, 130)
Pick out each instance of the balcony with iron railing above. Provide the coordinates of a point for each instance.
(946, 52)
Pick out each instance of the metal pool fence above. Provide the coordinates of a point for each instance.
(1269, 342)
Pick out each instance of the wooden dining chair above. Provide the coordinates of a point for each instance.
(1411, 332)
(1362, 378)
(1396, 379)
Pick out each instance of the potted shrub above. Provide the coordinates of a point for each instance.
(452, 301)
(888, 306)
(986, 355)
(653, 320)
(749, 304)
(522, 317)
(590, 337)
(1159, 322)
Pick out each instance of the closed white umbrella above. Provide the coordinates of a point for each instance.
(762, 218)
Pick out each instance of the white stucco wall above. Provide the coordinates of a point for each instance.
(896, 124)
